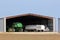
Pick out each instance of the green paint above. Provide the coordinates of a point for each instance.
(17, 24)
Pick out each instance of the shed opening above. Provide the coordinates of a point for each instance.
(29, 23)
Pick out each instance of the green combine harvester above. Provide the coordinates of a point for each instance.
(18, 26)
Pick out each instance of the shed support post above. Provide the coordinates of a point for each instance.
(4, 24)
(54, 25)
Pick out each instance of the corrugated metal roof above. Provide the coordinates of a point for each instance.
(30, 15)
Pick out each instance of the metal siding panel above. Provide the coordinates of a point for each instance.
(54, 25)
(1, 24)
(58, 24)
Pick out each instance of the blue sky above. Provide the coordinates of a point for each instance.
(43, 7)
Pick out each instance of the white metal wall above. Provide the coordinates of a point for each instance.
(54, 24)
(58, 24)
(1, 24)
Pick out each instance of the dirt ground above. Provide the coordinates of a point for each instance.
(36, 36)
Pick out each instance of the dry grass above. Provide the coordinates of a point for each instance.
(29, 36)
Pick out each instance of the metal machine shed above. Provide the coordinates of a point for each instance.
(27, 19)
